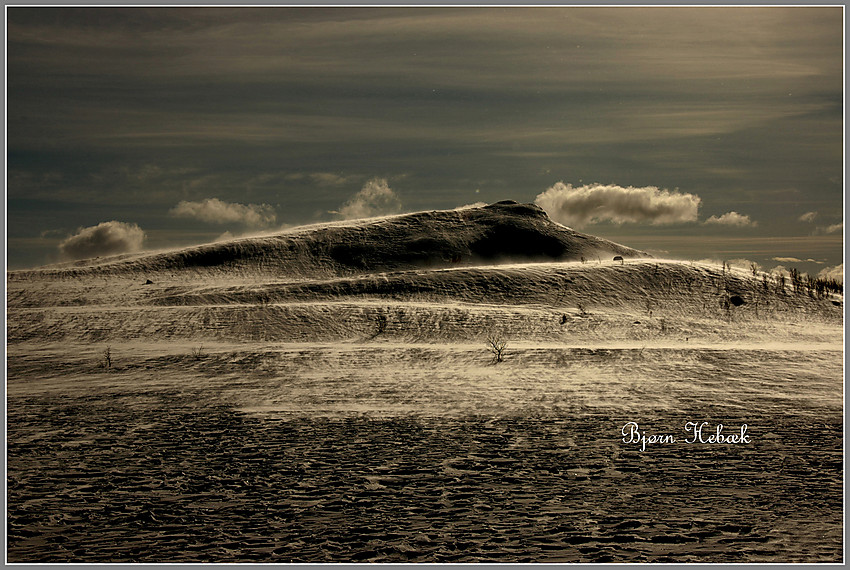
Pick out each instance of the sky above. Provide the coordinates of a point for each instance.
(695, 133)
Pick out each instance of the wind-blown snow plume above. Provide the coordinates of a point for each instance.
(578, 206)
(738, 263)
(376, 198)
(470, 206)
(731, 219)
(106, 238)
(215, 211)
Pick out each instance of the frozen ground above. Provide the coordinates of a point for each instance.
(337, 415)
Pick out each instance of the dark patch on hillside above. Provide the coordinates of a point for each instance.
(517, 241)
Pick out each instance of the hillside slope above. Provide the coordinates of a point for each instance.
(571, 301)
(501, 232)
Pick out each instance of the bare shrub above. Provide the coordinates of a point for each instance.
(780, 283)
(106, 360)
(496, 345)
(198, 352)
(380, 324)
(796, 280)
(727, 308)
(824, 286)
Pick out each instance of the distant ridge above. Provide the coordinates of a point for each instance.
(506, 231)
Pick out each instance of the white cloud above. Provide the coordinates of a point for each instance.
(836, 273)
(376, 198)
(808, 217)
(595, 203)
(214, 211)
(107, 238)
(831, 229)
(797, 260)
(731, 219)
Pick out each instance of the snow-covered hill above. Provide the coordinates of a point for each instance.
(501, 232)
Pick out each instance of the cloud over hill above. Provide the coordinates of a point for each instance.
(215, 211)
(594, 203)
(107, 238)
(731, 219)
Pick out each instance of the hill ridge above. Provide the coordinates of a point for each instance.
(506, 231)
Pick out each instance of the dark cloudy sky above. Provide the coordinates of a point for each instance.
(700, 132)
